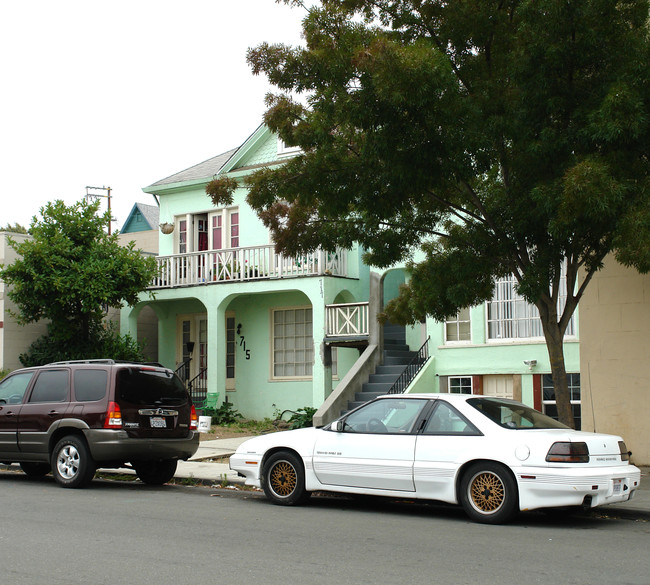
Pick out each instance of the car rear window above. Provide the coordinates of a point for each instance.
(513, 415)
(90, 385)
(151, 387)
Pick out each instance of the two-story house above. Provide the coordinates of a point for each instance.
(270, 332)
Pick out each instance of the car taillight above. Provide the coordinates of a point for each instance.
(568, 453)
(625, 454)
(113, 418)
(194, 420)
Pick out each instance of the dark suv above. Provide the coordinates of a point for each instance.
(73, 417)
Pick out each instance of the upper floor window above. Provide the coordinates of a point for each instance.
(510, 316)
(457, 328)
(214, 230)
(286, 150)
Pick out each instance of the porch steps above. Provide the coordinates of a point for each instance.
(397, 356)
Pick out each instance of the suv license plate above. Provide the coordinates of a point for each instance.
(618, 484)
(158, 422)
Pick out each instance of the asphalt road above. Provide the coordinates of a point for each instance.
(119, 533)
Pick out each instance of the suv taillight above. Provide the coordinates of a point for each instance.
(113, 418)
(194, 420)
(568, 453)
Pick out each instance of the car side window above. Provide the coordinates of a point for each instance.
(387, 416)
(51, 386)
(90, 385)
(446, 420)
(12, 388)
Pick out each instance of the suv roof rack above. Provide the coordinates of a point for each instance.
(105, 361)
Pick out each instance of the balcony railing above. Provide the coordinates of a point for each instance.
(347, 320)
(244, 264)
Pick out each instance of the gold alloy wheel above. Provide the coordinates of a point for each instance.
(487, 492)
(283, 478)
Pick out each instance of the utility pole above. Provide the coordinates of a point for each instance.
(95, 196)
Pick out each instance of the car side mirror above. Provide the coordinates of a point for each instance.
(337, 426)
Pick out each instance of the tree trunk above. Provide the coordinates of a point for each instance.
(555, 345)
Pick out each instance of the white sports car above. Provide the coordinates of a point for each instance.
(493, 456)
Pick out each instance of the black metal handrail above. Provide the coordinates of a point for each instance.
(198, 388)
(411, 370)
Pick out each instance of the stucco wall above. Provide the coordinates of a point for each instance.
(615, 356)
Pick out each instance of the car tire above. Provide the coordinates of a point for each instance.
(155, 472)
(488, 493)
(72, 464)
(283, 479)
(34, 469)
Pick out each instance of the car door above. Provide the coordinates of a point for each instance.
(375, 448)
(47, 402)
(447, 440)
(12, 393)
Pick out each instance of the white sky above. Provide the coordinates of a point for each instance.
(122, 93)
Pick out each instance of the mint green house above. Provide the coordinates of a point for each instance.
(269, 332)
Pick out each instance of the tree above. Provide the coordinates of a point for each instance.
(497, 138)
(69, 273)
(15, 228)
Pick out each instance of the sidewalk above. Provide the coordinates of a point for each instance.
(203, 467)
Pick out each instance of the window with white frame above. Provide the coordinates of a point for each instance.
(460, 384)
(549, 404)
(214, 230)
(287, 150)
(293, 343)
(458, 327)
(510, 316)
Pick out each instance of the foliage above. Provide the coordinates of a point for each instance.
(107, 344)
(302, 418)
(488, 138)
(226, 414)
(14, 228)
(70, 272)
(3, 373)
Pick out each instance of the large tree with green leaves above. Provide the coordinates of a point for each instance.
(496, 137)
(69, 272)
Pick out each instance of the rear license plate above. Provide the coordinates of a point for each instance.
(618, 486)
(158, 422)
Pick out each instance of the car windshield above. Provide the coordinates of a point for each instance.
(513, 415)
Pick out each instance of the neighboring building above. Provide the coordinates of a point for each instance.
(614, 356)
(271, 332)
(141, 227)
(15, 339)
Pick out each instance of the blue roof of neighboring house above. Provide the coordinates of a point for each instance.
(141, 219)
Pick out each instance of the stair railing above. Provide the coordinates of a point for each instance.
(198, 388)
(411, 370)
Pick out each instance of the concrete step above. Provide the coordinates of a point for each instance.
(367, 396)
(384, 378)
(397, 361)
(408, 355)
(390, 369)
(375, 388)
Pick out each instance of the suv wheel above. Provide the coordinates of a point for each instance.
(156, 472)
(72, 465)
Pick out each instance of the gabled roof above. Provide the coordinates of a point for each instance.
(150, 214)
(204, 170)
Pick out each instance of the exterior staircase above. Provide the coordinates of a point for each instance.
(397, 357)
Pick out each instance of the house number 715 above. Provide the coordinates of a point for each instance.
(242, 344)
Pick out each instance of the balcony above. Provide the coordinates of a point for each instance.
(244, 265)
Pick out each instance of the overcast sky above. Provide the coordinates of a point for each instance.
(122, 93)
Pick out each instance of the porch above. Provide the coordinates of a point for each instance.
(244, 264)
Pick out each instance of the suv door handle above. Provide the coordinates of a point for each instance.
(53, 412)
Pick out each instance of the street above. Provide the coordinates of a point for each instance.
(117, 532)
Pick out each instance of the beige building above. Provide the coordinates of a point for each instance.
(14, 338)
(615, 356)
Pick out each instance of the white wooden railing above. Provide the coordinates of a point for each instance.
(244, 264)
(347, 320)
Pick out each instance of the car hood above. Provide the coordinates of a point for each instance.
(301, 440)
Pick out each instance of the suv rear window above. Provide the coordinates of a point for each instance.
(148, 387)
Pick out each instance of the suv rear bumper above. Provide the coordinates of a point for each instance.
(117, 446)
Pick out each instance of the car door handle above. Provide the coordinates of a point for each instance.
(53, 412)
